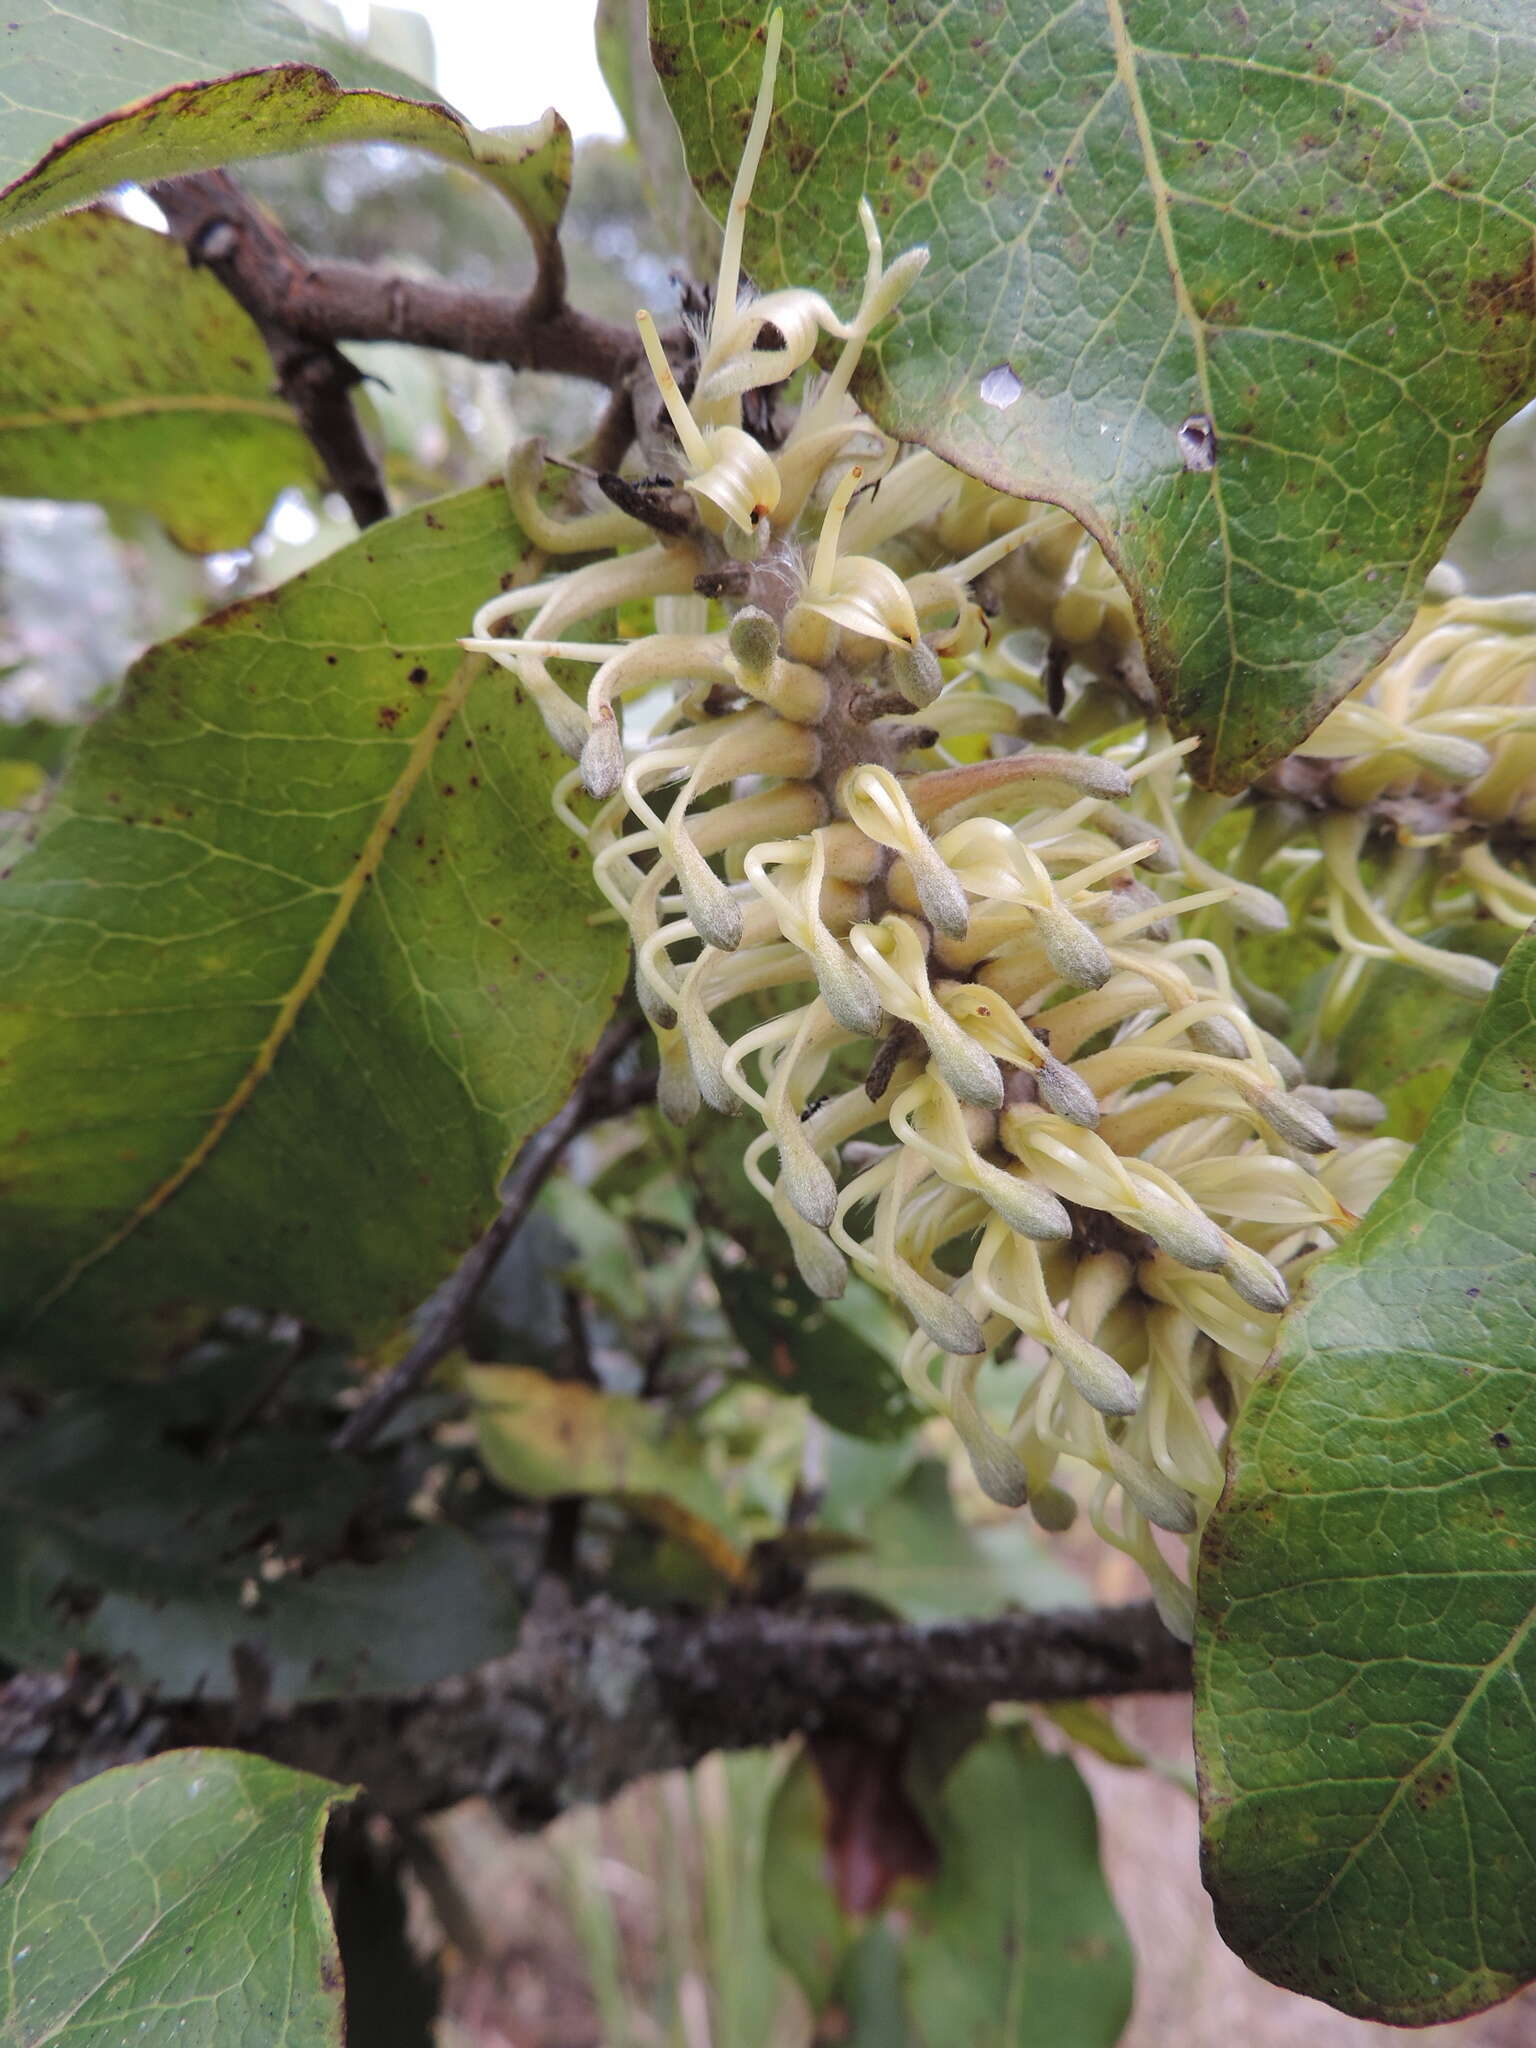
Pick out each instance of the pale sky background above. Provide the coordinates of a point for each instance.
(504, 61)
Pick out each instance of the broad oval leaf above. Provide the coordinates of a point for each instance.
(178, 1899)
(145, 89)
(1018, 1940)
(1297, 240)
(295, 957)
(163, 398)
(1366, 1662)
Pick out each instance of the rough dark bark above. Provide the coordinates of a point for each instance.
(596, 1695)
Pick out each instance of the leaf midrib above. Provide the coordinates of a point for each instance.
(350, 893)
(150, 407)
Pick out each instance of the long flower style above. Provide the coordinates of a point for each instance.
(974, 989)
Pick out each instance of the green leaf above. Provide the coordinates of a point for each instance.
(925, 1564)
(140, 89)
(37, 743)
(1015, 1942)
(163, 398)
(820, 1349)
(298, 956)
(1091, 1728)
(1365, 1661)
(178, 1899)
(811, 1934)
(204, 1573)
(1308, 225)
(1018, 1940)
(545, 1437)
(1407, 1035)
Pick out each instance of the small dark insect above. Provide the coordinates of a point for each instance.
(811, 1108)
(655, 500)
(889, 1054)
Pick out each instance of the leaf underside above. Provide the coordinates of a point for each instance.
(1309, 226)
(1365, 1662)
(145, 89)
(295, 959)
(131, 379)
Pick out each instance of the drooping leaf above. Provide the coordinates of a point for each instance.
(1365, 1662)
(132, 379)
(270, 1565)
(545, 1437)
(920, 1560)
(1015, 1941)
(1296, 240)
(144, 89)
(295, 957)
(175, 1900)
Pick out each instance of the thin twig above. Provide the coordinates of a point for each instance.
(447, 1316)
(331, 301)
(216, 226)
(615, 431)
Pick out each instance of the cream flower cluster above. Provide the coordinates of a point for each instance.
(969, 986)
(1440, 743)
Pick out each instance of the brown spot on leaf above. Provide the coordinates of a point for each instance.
(1431, 1790)
(1504, 293)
